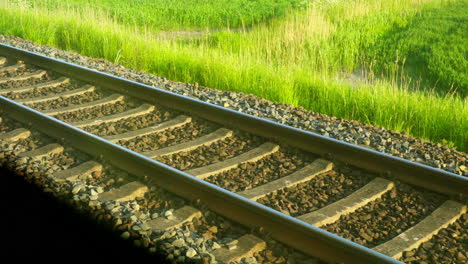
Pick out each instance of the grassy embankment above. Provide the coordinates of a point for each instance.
(298, 58)
(434, 46)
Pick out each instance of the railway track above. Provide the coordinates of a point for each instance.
(384, 206)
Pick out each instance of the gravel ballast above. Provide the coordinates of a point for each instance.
(26, 144)
(386, 217)
(252, 174)
(449, 246)
(169, 137)
(319, 192)
(95, 112)
(6, 125)
(27, 82)
(46, 91)
(65, 102)
(202, 156)
(20, 71)
(131, 124)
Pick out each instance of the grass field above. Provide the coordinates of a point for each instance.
(288, 53)
(186, 14)
(434, 46)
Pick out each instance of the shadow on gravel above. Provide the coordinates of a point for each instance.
(34, 224)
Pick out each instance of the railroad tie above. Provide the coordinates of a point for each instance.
(442, 217)
(307, 173)
(81, 171)
(173, 123)
(31, 75)
(332, 212)
(205, 140)
(67, 94)
(246, 247)
(112, 99)
(44, 151)
(48, 84)
(13, 68)
(250, 156)
(139, 111)
(176, 219)
(127, 192)
(15, 135)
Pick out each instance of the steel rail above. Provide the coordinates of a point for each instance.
(304, 237)
(404, 170)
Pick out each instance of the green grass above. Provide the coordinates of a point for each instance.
(299, 59)
(434, 46)
(180, 14)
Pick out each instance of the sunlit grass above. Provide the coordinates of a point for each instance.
(433, 46)
(298, 59)
(179, 14)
